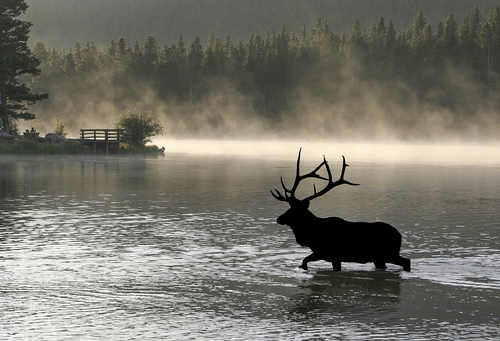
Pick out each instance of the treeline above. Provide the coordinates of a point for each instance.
(454, 67)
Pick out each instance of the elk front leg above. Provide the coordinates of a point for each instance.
(311, 258)
(337, 266)
(404, 262)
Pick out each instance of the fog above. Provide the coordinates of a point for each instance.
(356, 153)
(352, 110)
(332, 101)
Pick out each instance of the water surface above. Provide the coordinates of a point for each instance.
(186, 247)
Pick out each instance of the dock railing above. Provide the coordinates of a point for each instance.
(107, 137)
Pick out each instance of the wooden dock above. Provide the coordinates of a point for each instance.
(103, 139)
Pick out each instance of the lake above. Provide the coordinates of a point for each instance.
(186, 247)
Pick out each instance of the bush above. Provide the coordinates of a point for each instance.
(142, 125)
(60, 128)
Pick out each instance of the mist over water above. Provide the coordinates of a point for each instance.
(432, 153)
(332, 102)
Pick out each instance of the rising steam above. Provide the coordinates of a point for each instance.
(320, 109)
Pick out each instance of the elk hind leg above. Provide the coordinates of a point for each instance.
(404, 262)
(337, 266)
(311, 258)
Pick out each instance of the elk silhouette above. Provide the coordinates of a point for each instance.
(334, 239)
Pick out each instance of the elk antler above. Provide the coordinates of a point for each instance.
(290, 194)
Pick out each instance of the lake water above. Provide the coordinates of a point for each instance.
(185, 247)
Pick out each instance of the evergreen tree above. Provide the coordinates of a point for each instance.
(77, 57)
(228, 47)
(220, 56)
(145, 57)
(466, 39)
(41, 52)
(209, 62)
(122, 55)
(469, 41)
(16, 60)
(211, 40)
(490, 40)
(195, 62)
(89, 59)
(421, 44)
(356, 42)
(168, 72)
(450, 39)
(69, 66)
(195, 56)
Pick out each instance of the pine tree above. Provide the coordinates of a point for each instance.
(450, 38)
(421, 44)
(16, 60)
(195, 61)
(490, 39)
(356, 42)
(122, 55)
(148, 57)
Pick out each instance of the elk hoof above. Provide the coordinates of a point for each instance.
(303, 266)
(407, 265)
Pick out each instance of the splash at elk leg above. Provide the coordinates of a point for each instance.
(313, 257)
(404, 262)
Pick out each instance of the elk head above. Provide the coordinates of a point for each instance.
(299, 212)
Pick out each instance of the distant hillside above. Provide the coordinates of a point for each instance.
(61, 23)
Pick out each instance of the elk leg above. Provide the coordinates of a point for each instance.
(380, 265)
(311, 258)
(404, 262)
(337, 266)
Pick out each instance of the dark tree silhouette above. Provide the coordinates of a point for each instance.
(16, 60)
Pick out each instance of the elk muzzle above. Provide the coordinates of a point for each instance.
(281, 219)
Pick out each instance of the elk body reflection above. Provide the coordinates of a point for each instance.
(334, 239)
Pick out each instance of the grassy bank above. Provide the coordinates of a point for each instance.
(33, 147)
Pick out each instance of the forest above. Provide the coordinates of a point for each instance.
(423, 82)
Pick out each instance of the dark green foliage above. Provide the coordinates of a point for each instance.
(142, 125)
(16, 61)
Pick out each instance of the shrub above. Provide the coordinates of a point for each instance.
(60, 128)
(142, 125)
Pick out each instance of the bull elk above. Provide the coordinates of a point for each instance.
(334, 239)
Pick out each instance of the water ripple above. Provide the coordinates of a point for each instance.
(142, 260)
